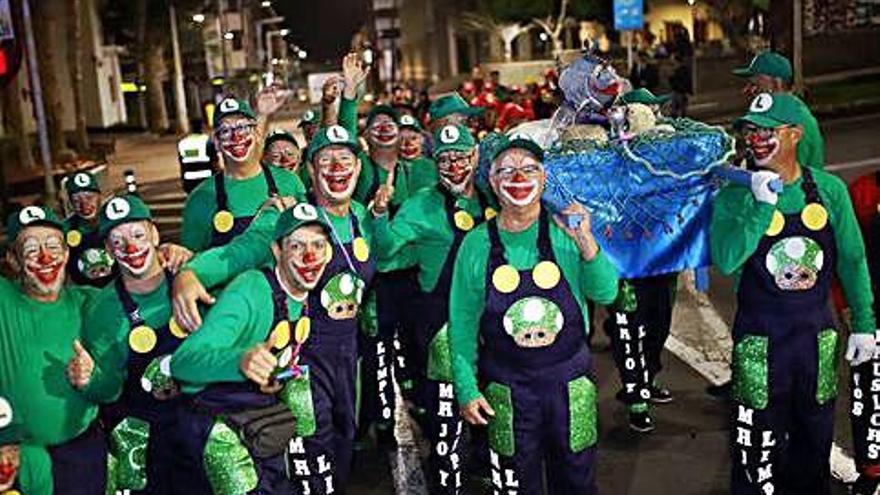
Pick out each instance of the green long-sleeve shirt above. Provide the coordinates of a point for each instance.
(739, 222)
(244, 198)
(596, 280)
(240, 319)
(218, 265)
(105, 337)
(421, 225)
(811, 148)
(422, 173)
(35, 473)
(36, 342)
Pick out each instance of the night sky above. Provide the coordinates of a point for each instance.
(323, 27)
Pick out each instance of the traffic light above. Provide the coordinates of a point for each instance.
(10, 60)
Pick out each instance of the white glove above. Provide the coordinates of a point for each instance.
(761, 186)
(861, 348)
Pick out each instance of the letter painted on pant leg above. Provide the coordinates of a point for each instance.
(445, 409)
(447, 390)
(296, 446)
(301, 467)
(743, 436)
(768, 440)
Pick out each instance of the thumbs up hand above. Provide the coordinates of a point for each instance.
(382, 200)
(80, 367)
(258, 363)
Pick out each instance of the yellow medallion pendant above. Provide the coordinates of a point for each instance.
(361, 249)
(74, 238)
(814, 216)
(463, 220)
(505, 279)
(281, 334)
(489, 213)
(142, 339)
(303, 329)
(546, 275)
(223, 221)
(777, 223)
(176, 329)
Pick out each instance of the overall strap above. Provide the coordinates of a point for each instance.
(220, 192)
(131, 308)
(811, 190)
(279, 297)
(545, 247)
(270, 180)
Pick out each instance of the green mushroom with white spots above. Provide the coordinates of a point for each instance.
(795, 263)
(533, 322)
(157, 380)
(342, 296)
(95, 263)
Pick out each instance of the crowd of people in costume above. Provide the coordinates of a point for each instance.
(316, 286)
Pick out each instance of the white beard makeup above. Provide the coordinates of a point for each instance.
(764, 150)
(337, 182)
(43, 271)
(456, 179)
(132, 247)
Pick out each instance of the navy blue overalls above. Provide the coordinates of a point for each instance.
(429, 359)
(537, 368)
(785, 355)
(865, 398)
(322, 459)
(211, 456)
(140, 424)
(85, 241)
(86, 453)
(240, 224)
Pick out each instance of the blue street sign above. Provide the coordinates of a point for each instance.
(629, 14)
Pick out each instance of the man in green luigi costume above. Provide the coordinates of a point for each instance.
(23, 468)
(281, 150)
(40, 319)
(247, 361)
(89, 263)
(421, 169)
(433, 223)
(451, 109)
(518, 319)
(309, 123)
(222, 207)
(127, 343)
(784, 248)
(770, 72)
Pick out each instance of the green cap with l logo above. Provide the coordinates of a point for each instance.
(767, 63)
(453, 138)
(772, 110)
(31, 216)
(329, 136)
(122, 209)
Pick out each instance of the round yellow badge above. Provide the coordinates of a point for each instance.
(776, 224)
(463, 220)
(489, 213)
(546, 275)
(223, 221)
(176, 329)
(329, 254)
(281, 332)
(361, 249)
(142, 339)
(505, 279)
(303, 329)
(74, 238)
(814, 216)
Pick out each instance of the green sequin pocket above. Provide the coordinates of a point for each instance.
(582, 414)
(501, 425)
(127, 448)
(826, 374)
(439, 357)
(297, 395)
(229, 466)
(750, 372)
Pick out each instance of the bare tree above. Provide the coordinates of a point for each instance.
(151, 60)
(11, 97)
(554, 26)
(76, 73)
(46, 24)
(507, 32)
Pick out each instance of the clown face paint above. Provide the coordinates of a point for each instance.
(410, 144)
(517, 178)
(10, 461)
(236, 137)
(283, 154)
(303, 256)
(43, 254)
(763, 143)
(133, 246)
(383, 132)
(85, 204)
(456, 170)
(336, 169)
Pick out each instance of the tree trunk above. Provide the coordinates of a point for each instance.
(12, 98)
(141, 10)
(45, 29)
(76, 74)
(508, 50)
(155, 71)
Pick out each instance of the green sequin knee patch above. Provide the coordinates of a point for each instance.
(501, 425)
(440, 357)
(826, 373)
(750, 372)
(127, 448)
(297, 395)
(228, 464)
(581, 414)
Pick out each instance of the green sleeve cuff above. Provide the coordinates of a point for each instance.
(348, 115)
(103, 387)
(466, 389)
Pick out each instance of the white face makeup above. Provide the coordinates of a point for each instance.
(303, 256)
(236, 138)
(764, 144)
(85, 204)
(383, 131)
(335, 171)
(456, 170)
(517, 178)
(42, 254)
(283, 154)
(410, 144)
(133, 246)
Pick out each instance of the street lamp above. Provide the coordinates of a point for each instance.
(284, 32)
(266, 3)
(229, 36)
(302, 54)
(198, 18)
